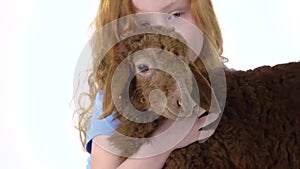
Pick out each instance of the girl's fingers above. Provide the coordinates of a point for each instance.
(212, 120)
(203, 115)
(207, 123)
(205, 134)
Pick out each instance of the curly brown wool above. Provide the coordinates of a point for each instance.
(260, 126)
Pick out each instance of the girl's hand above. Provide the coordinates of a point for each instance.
(173, 134)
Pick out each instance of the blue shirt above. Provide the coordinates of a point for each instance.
(99, 127)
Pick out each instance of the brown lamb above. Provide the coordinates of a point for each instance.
(260, 124)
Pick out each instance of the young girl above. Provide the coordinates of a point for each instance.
(93, 131)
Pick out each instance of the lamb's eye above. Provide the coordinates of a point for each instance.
(143, 68)
(145, 24)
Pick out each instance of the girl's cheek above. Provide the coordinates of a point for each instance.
(189, 17)
(186, 26)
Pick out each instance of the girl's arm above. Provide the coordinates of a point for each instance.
(104, 159)
(101, 158)
(154, 162)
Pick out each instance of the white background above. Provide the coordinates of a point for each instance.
(40, 42)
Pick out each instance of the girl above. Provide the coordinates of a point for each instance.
(93, 131)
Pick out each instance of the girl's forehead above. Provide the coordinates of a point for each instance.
(157, 5)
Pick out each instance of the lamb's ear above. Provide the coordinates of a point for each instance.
(208, 99)
(116, 92)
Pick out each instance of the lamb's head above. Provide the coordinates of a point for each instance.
(163, 82)
(154, 75)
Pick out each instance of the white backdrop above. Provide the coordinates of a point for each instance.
(40, 42)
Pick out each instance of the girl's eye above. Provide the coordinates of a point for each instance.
(175, 15)
(143, 68)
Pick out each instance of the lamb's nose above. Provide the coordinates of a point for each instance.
(179, 103)
(186, 103)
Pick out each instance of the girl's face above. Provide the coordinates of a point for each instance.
(172, 13)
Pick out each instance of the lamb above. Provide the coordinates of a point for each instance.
(125, 68)
(260, 125)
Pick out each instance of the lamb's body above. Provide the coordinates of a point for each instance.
(260, 126)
